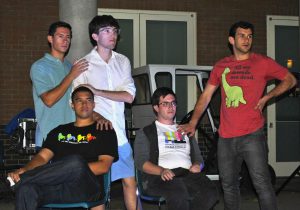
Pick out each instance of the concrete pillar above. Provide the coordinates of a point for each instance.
(78, 13)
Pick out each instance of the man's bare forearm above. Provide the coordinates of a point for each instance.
(42, 158)
(121, 96)
(200, 107)
(287, 83)
(202, 103)
(151, 168)
(101, 166)
(52, 96)
(35, 162)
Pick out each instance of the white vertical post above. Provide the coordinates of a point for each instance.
(78, 13)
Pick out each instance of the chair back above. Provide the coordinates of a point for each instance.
(106, 185)
(138, 177)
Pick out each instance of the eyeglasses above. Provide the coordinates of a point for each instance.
(168, 104)
(109, 30)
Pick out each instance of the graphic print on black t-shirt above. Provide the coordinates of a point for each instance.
(75, 139)
(86, 141)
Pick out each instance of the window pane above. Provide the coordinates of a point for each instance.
(125, 43)
(166, 42)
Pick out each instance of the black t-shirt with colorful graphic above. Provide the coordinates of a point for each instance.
(86, 141)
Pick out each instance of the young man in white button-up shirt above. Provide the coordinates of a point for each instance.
(109, 76)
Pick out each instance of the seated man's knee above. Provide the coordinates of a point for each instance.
(23, 190)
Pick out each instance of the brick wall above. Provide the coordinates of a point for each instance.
(11, 154)
(24, 25)
(23, 34)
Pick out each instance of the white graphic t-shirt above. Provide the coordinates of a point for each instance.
(174, 148)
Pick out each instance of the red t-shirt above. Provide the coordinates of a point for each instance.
(242, 85)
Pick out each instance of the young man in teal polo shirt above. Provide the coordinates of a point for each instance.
(52, 77)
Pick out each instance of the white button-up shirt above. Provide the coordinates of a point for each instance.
(114, 76)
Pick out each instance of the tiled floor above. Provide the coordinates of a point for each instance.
(288, 198)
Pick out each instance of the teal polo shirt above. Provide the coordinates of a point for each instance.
(46, 74)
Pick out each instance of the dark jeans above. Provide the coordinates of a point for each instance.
(65, 181)
(191, 191)
(253, 149)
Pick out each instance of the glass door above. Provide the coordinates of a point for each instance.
(284, 111)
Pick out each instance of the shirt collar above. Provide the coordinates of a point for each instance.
(96, 54)
(52, 58)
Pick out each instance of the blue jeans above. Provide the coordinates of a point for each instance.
(253, 149)
(64, 181)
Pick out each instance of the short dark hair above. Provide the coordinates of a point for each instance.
(162, 91)
(101, 21)
(58, 24)
(81, 89)
(240, 24)
(235, 26)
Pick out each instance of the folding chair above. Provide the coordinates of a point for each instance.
(142, 195)
(88, 205)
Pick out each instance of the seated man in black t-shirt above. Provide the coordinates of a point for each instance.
(80, 155)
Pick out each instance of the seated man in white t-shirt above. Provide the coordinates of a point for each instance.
(171, 163)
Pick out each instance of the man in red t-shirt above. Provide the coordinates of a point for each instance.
(242, 78)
